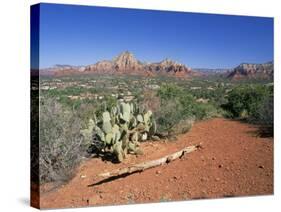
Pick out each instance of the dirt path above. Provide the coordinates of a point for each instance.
(233, 162)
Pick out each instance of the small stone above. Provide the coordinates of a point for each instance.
(220, 166)
(217, 179)
(82, 176)
(158, 172)
(93, 200)
(213, 158)
(261, 166)
(175, 177)
(204, 192)
(203, 179)
(201, 146)
(90, 201)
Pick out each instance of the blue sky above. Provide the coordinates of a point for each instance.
(81, 35)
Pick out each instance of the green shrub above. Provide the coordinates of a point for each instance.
(245, 101)
(253, 103)
(169, 114)
(178, 107)
(264, 115)
(170, 91)
(205, 111)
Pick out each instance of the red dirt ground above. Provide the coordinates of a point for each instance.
(234, 161)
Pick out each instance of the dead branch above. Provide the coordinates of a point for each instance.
(150, 164)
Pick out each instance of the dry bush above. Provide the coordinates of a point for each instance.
(61, 145)
(151, 101)
(183, 126)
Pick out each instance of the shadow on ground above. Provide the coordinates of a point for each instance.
(262, 131)
(109, 179)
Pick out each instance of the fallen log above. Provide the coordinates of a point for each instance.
(150, 164)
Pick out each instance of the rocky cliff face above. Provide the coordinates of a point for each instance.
(169, 67)
(252, 71)
(104, 66)
(126, 63)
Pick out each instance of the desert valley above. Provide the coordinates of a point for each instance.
(227, 114)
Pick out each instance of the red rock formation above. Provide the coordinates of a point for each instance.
(252, 71)
(126, 63)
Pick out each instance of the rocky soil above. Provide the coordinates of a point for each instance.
(234, 161)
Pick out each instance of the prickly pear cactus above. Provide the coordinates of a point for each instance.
(120, 130)
(88, 133)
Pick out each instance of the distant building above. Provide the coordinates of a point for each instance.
(195, 88)
(153, 86)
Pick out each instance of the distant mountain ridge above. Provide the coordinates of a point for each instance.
(125, 63)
